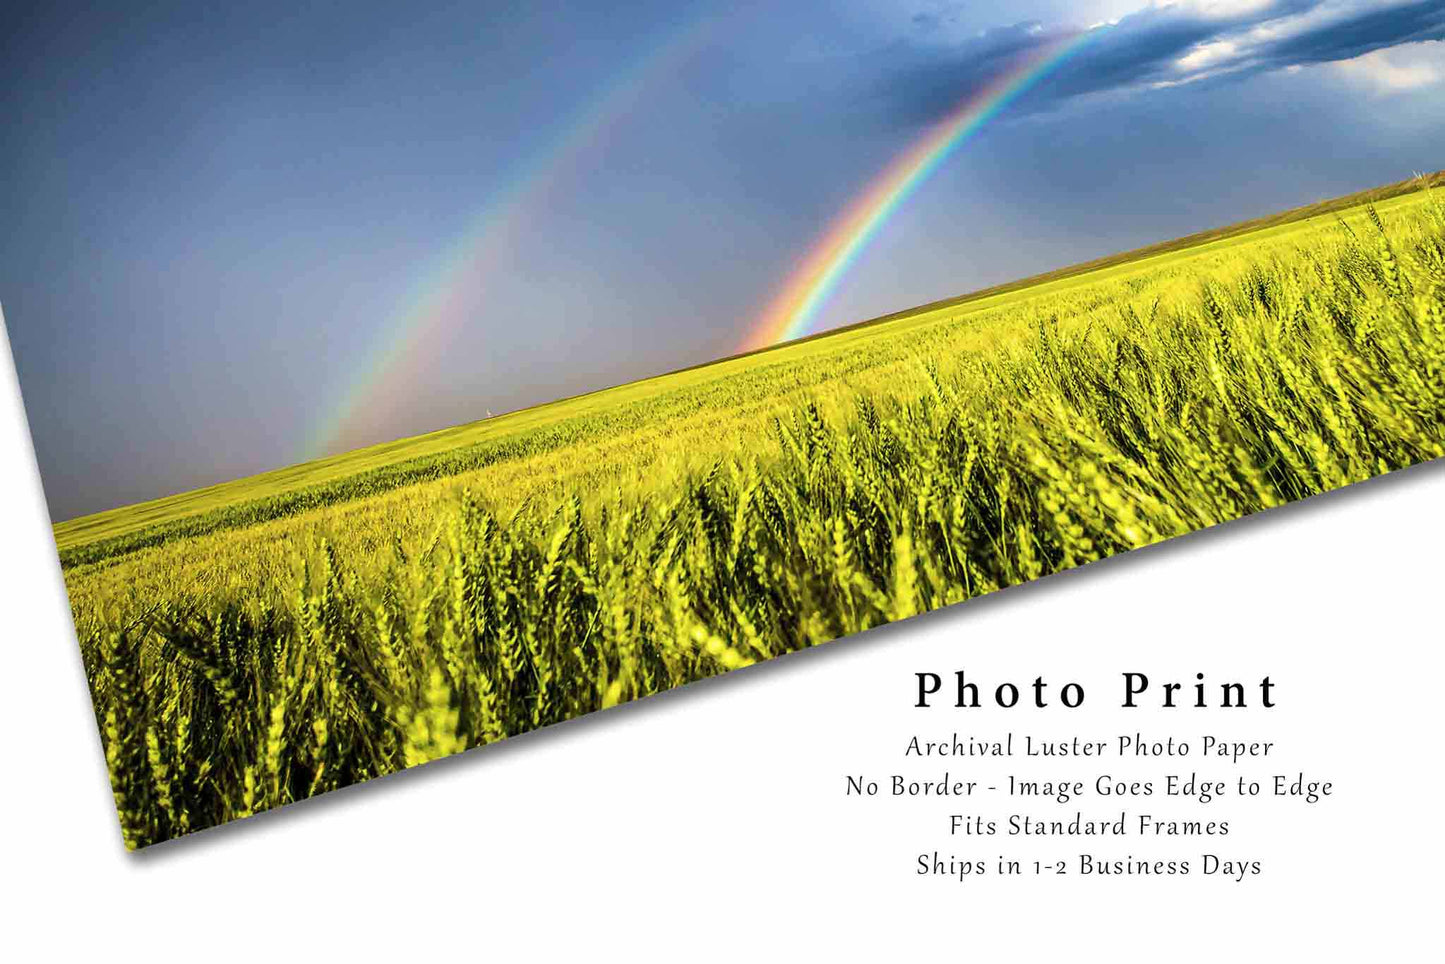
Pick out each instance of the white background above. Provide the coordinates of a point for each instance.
(712, 821)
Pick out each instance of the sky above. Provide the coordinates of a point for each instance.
(242, 236)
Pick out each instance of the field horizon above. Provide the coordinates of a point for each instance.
(108, 523)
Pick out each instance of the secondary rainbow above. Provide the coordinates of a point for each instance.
(453, 291)
(793, 313)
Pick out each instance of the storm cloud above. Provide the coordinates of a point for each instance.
(1164, 45)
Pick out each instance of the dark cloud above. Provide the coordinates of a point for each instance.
(1146, 48)
(1366, 32)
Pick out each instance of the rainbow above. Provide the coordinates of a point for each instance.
(452, 291)
(793, 313)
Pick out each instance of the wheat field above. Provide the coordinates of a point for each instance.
(248, 647)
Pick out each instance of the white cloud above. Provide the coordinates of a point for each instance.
(1207, 55)
(1396, 69)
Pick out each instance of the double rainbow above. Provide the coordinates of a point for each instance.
(794, 312)
(449, 295)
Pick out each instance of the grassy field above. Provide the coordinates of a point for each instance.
(269, 639)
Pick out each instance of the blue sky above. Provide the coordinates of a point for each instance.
(218, 219)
